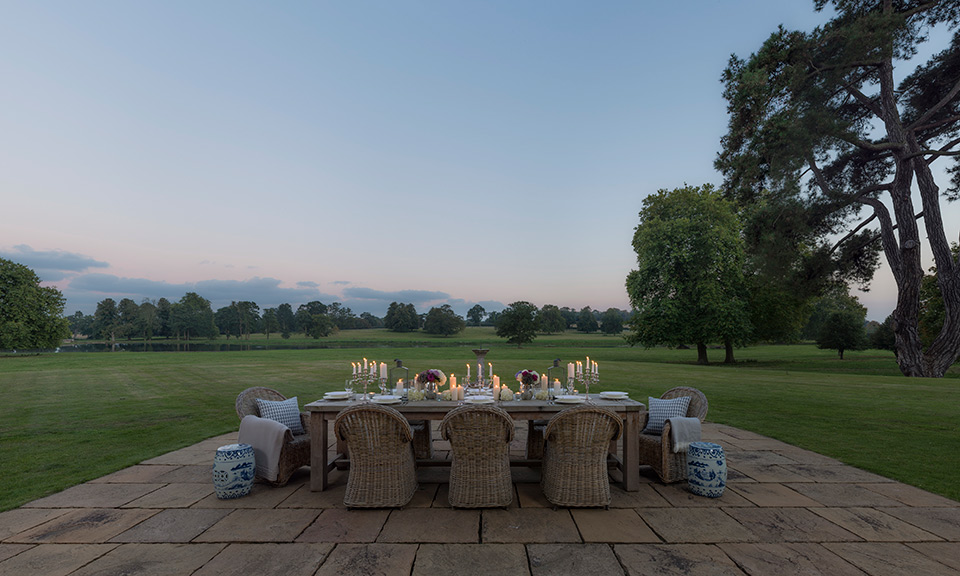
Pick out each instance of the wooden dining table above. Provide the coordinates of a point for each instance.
(324, 412)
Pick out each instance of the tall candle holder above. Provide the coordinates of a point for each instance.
(366, 378)
(481, 356)
(586, 379)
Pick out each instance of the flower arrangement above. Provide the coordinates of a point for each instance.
(506, 394)
(433, 376)
(527, 377)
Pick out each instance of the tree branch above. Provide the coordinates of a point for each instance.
(854, 232)
(943, 102)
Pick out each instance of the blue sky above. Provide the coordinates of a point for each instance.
(360, 152)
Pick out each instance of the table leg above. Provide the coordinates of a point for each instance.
(319, 438)
(631, 452)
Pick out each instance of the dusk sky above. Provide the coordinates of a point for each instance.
(360, 152)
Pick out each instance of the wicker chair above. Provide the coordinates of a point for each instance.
(575, 456)
(295, 452)
(657, 450)
(382, 465)
(480, 439)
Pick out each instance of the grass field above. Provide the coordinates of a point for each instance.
(72, 417)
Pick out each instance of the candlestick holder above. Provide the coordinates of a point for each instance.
(481, 356)
(586, 379)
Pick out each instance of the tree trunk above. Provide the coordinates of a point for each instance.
(728, 357)
(702, 353)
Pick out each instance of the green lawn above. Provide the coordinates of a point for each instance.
(73, 417)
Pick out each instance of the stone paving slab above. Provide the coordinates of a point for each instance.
(181, 495)
(789, 525)
(16, 521)
(947, 553)
(910, 495)
(612, 526)
(266, 559)
(369, 560)
(84, 526)
(700, 525)
(679, 496)
(53, 559)
(151, 560)
(473, 559)
(564, 559)
(772, 494)
(842, 495)
(139, 474)
(528, 525)
(342, 525)
(433, 525)
(894, 559)
(95, 495)
(944, 522)
(789, 559)
(11, 550)
(174, 525)
(676, 560)
(875, 526)
(259, 526)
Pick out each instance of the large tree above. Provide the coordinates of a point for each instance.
(688, 286)
(31, 316)
(551, 320)
(518, 323)
(476, 314)
(192, 317)
(824, 141)
(444, 321)
(401, 317)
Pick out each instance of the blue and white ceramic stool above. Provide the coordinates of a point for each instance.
(233, 470)
(706, 469)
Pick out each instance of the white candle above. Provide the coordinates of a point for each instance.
(588, 364)
(453, 383)
(399, 390)
(543, 381)
(556, 385)
(490, 371)
(383, 370)
(460, 392)
(596, 368)
(354, 364)
(496, 389)
(496, 380)
(364, 364)
(468, 371)
(569, 370)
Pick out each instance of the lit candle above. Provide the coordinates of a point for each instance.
(588, 364)
(354, 364)
(460, 392)
(496, 389)
(543, 382)
(556, 386)
(399, 390)
(468, 371)
(490, 371)
(496, 380)
(596, 368)
(383, 370)
(364, 364)
(569, 370)
(453, 384)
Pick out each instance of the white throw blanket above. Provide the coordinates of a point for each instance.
(683, 431)
(267, 437)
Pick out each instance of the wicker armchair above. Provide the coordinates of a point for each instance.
(480, 439)
(382, 466)
(295, 452)
(657, 450)
(575, 456)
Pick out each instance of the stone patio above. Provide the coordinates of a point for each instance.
(785, 511)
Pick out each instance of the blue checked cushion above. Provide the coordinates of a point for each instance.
(286, 412)
(661, 409)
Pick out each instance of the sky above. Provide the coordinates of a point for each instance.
(425, 152)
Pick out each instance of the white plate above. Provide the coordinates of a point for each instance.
(479, 400)
(338, 395)
(610, 395)
(387, 399)
(569, 399)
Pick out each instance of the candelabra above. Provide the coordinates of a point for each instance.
(586, 379)
(366, 379)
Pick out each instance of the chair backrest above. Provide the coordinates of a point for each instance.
(472, 428)
(698, 402)
(247, 400)
(584, 426)
(370, 429)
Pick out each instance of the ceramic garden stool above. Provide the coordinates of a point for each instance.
(706, 469)
(233, 471)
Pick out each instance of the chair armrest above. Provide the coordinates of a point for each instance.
(305, 421)
(644, 418)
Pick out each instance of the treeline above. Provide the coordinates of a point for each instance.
(193, 317)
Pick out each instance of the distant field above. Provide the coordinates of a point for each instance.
(72, 417)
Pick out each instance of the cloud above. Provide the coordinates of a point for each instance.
(51, 265)
(415, 297)
(342, 282)
(85, 291)
(308, 284)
